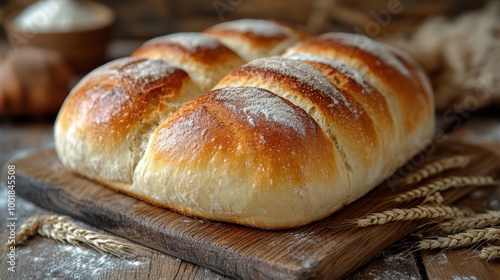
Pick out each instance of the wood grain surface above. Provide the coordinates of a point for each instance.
(325, 249)
(463, 263)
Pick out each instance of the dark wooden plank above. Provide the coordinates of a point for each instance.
(392, 263)
(458, 264)
(21, 138)
(324, 249)
(42, 258)
(464, 263)
(483, 129)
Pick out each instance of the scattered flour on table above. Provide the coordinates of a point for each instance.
(442, 258)
(71, 262)
(303, 237)
(494, 204)
(391, 268)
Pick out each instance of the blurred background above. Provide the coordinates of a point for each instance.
(149, 18)
(47, 46)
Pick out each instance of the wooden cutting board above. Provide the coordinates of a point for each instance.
(329, 248)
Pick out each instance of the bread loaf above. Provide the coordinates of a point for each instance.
(33, 83)
(251, 38)
(203, 57)
(281, 141)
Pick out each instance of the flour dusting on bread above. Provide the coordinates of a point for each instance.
(260, 27)
(343, 68)
(254, 103)
(192, 41)
(375, 48)
(306, 75)
(148, 71)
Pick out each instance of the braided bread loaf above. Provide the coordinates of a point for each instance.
(278, 142)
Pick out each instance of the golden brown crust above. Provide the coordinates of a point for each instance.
(417, 73)
(398, 80)
(280, 142)
(255, 39)
(203, 57)
(348, 79)
(252, 39)
(101, 126)
(263, 149)
(109, 102)
(196, 46)
(341, 117)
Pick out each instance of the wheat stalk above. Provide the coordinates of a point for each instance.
(490, 253)
(469, 237)
(490, 218)
(444, 184)
(27, 229)
(419, 212)
(60, 229)
(434, 198)
(436, 167)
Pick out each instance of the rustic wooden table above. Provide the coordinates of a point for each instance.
(42, 258)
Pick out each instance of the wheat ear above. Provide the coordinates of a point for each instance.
(490, 253)
(434, 198)
(490, 218)
(60, 229)
(419, 212)
(26, 230)
(469, 237)
(444, 184)
(436, 167)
